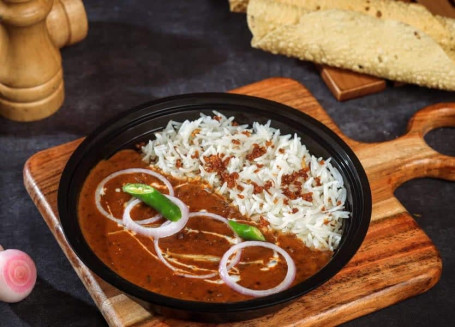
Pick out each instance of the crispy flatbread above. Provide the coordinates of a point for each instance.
(418, 50)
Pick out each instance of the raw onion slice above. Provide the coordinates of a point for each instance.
(166, 229)
(233, 262)
(149, 220)
(100, 188)
(287, 281)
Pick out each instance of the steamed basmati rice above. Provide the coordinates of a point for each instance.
(186, 149)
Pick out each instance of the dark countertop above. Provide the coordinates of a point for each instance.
(140, 50)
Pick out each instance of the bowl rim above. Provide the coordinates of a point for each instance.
(156, 108)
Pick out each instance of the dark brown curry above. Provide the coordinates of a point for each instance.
(196, 249)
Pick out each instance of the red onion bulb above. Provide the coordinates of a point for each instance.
(17, 275)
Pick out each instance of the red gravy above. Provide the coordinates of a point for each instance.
(133, 256)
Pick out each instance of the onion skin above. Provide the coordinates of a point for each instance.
(17, 275)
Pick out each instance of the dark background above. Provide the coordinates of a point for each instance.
(140, 50)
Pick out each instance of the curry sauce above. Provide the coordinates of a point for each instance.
(195, 250)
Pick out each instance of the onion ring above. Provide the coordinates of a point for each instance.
(166, 229)
(100, 187)
(287, 281)
(233, 262)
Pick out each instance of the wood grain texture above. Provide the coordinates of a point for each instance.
(346, 85)
(396, 261)
(439, 7)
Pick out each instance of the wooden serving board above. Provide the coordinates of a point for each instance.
(397, 260)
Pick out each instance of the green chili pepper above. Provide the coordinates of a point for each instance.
(155, 199)
(247, 232)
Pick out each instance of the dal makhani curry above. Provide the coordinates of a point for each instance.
(217, 248)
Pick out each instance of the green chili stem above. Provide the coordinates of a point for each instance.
(155, 199)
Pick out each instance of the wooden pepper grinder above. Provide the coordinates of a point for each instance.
(31, 76)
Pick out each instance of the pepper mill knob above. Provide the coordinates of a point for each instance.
(31, 78)
(67, 22)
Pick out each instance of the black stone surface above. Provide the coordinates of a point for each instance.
(139, 50)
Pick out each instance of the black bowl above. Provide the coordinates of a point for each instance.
(139, 124)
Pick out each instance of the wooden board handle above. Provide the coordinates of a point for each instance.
(409, 156)
(425, 120)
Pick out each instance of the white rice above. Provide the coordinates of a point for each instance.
(187, 145)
